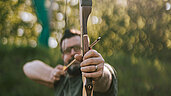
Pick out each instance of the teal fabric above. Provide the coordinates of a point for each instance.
(73, 87)
(42, 15)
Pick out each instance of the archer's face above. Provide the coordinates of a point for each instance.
(70, 47)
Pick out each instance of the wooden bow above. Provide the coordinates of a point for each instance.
(85, 7)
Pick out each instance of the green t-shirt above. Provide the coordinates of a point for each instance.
(73, 87)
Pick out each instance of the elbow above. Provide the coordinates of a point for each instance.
(26, 68)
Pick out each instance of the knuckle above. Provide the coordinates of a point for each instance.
(90, 61)
(82, 64)
(101, 66)
(91, 68)
(87, 75)
(60, 66)
(57, 78)
(82, 68)
(101, 59)
(84, 74)
(57, 67)
(58, 72)
(93, 52)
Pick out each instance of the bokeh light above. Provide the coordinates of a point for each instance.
(168, 6)
(55, 6)
(38, 28)
(95, 20)
(73, 2)
(52, 42)
(20, 31)
(59, 16)
(32, 43)
(27, 17)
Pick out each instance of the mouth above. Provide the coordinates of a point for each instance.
(75, 63)
(74, 69)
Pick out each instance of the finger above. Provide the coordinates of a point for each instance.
(93, 75)
(56, 78)
(88, 69)
(92, 61)
(58, 73)
(62, 72)
(59, 67)
(91, 53)
(55, 73)
(92, 68)
(78, 57)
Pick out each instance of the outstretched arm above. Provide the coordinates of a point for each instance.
(42, 73)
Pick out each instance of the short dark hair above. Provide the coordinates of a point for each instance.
(68, 34)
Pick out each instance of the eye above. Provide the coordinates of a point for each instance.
(68, 50)
(77, 48)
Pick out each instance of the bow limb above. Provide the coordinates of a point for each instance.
(85, 10)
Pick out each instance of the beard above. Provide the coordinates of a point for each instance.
(74, 69)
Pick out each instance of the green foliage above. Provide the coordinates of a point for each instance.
(139, 27)
(11, 12)
(13, 82)
(139, 76)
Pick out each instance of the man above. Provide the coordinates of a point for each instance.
(70, 83)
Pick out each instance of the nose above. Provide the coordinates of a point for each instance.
(73, 52)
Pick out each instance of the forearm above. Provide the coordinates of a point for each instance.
(103, 84)
(39, 72)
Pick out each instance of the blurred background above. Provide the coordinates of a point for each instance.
(136, 40)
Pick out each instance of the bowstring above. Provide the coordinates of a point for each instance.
(66, 17)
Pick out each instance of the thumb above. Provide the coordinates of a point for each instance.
(78, 57)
